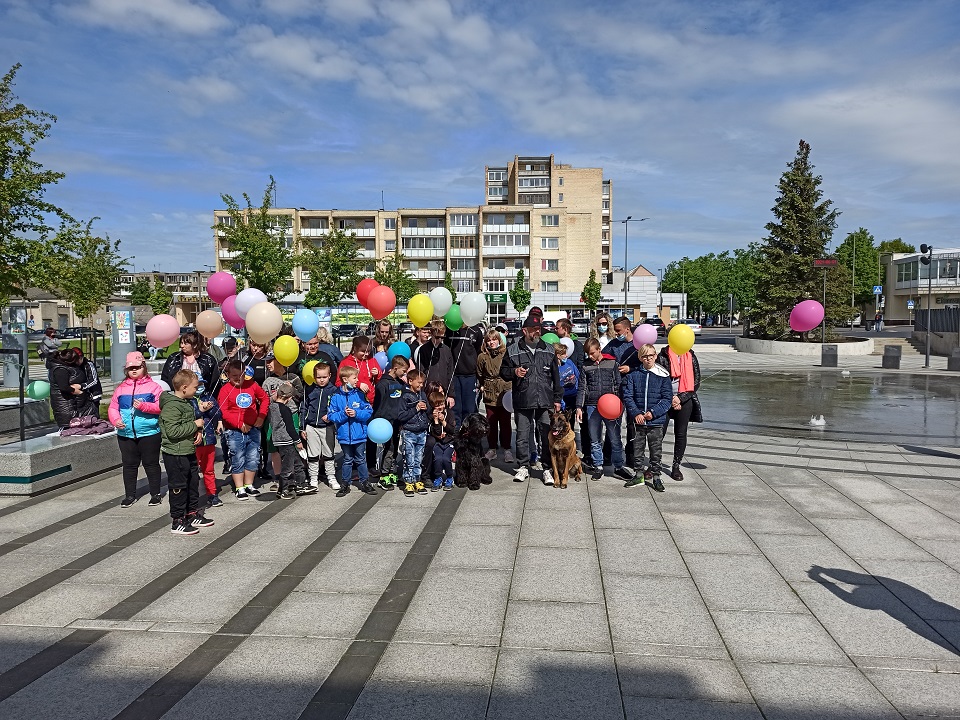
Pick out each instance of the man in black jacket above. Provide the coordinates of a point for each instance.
(465, 344)
(532, 368)
(434, 359)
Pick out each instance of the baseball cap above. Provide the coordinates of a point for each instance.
(269, 356)
(532, 322)
(134, 359)
(229, 343)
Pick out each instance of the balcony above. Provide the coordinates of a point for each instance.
(506, 273)
(372, 254)
(424, 252)
(463, 252)
(506, 228)
(423, 231)
(463, 274)
(429, 274)
(533, 173)
(314, 232)
(228, 254)
(463, 229)
(360, 232)
(507, 250)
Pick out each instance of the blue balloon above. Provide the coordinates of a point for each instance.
(305, 324)
(398, 348)
(382, 359)
(379, 430)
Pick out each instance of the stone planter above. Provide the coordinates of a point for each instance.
(858, 346)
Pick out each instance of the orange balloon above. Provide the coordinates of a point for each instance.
(610, 406)
(381, 302)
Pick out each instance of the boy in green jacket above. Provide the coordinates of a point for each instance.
(181, 430)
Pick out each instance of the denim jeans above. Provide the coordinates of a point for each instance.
(412, 454)
(354, 455)
(597, 422)
(244, 450)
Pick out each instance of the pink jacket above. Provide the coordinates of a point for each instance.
(138, 422)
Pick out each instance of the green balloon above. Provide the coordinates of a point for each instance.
(38, 390)
(453, 319)
(550, 338)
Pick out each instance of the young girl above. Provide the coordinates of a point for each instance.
(135, 412)
(442, 432)
(368, 371)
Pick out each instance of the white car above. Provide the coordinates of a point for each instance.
(693, 324)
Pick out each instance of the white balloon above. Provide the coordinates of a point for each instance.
(264, 322)
(442, 300)
(473, 308)
(568, 344)
(246, 299)
(162, 383)
(507, 401)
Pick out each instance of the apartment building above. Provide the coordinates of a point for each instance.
(549, 219)
(189, 291)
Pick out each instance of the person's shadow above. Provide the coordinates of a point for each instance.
(903, 602)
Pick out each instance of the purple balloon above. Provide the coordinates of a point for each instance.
(644, 335)
(806, 315)
(230, 314)
(220, 286)
(381, 358)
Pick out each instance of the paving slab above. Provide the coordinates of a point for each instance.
(773, 516)
(741, 582)
(930, 589)
(708, 533)
(660, 676)
(642, 708)
(356, 567)
(614, 509)
(871, 538)
(389, 700)
(650, 552)
(556, 626)
(557, 574)
(18, 643)
(778, 637)
(558, 528)
(431, 664)
(479, 546)
(919, 693)
(794, 555)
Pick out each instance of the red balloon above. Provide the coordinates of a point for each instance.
(610, 406)
(381, 302)
(364, 287)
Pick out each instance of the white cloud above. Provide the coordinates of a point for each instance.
(144, 15)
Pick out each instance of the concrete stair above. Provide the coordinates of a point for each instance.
(908, 346)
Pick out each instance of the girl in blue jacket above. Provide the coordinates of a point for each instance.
(350, 412)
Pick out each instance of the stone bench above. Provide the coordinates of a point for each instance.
(44, 463)
(35, 412)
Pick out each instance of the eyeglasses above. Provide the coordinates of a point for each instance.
(649, 355)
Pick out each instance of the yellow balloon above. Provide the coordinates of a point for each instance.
(286, 349)
(681, 338)
(420, 310)
(308, 372)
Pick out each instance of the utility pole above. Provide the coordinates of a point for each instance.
(626, 247)
(927, 251)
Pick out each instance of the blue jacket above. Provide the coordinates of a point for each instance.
(350, 430)
(316, 404)
(567, 370)
(648, 391)
(210, 418)
(411, 419)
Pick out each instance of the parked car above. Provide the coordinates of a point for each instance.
(513, 329)
(693, 324)
(348, 330)
(404, 328)
(658, 324)
(581, 327)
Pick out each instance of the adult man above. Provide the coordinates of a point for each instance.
(435, 360)
(532, 367)
(48, 347)
(621, 347)
(465, 344)
(310, 350)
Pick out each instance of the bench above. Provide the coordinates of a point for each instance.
(45, 463)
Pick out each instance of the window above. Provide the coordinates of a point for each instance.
(550, 220)
(423, 243)
(559, 197)
(497, 264)
(228, 221)
(465, 286)
(314, 223)
(463, 220)
(389, 223)
(534, 182)
(434, 222)
(520, 219)
(907, 271)
(519, 264)
(551, 286)
(495, 285)
(496, 219)
(549, 243)
(411, 222)
(468, 264)
(550, 265)
(463, 242)
(426, 265)
(496, 175)
(606, 204)
(560, 180)
(370, 268)
(496, 191)
(521, 240)
(370, 245)
(537, 199)
(346, 224)
(369, 223)
(391, 245)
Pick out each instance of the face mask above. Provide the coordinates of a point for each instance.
(621, 337)
(602, 328)
(348, 386)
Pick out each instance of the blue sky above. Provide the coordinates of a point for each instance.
(693, 109)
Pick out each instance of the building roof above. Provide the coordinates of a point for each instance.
(640, 271)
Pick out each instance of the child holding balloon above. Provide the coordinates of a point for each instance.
(387, 405)
(350, 412)
(368, 371)
(319, 433)
(597, 399)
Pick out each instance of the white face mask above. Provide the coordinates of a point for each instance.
(602, 328)
(348, 385)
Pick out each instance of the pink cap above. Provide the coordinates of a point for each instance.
(134, 359)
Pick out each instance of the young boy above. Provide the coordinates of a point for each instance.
(601, 376)
(286, 439)
(319, 432)
(647, 395)
(350, 412)
(442, 431)
(569, 380)
(414, 420)
(276, 374)
(243, 409)
(386, 405)
(179, 429)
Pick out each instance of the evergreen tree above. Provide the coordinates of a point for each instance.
(334, 267)
(592, 293)
(802, 230)
(448, 284)
(395, 276)
(519, 295)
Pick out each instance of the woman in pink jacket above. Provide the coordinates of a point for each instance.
(135, 413)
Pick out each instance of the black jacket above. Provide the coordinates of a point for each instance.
(209, 369)
(315, 405)
(411, 419)
(436, 361)
(63, 402)
(541, 387)
(598, 379)
(465, 344)
(387, 401)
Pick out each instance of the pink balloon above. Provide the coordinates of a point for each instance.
(644, 335)
(162, 330)
(806, 315)
(220, 286)
(230, 313)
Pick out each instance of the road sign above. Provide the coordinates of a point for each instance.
(825, 262)
(878, 289)
(910, 305)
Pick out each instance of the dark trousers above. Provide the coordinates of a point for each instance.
(634, 439)
(500, 434)
(527, 419)
(649, 437)
(133, 452)
(442, 460)
(681, 419)
(183, 482)
(464, 396)
(354, 456)
(426, 463)
(381, 459)
(291, 468)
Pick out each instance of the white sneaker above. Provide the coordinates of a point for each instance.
(334, 485)
(314, 483)
(537, 465)
(491, 455)
(508, 457)
(547, 477)
(521, 474)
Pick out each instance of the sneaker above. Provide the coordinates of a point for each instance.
(624, 473)
(344, 490)
(251, 491)
(448, 484)
(521, 474)
(437, 484)
(409, 489)
(491, 455)
(420, 488)
(547, 477)
(334, 485)
(658, 484)
(127, 501)
(287, 494)
(388, 482)
(274, 487)
(155, 500)
(201, 522)
(637, 481)
(240, 493)
(508, 457)
(181, 528)
(597, 473)
(368, 489)
(214, 501)
(536, 465)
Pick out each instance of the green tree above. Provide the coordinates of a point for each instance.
(448, 284)
(87, 267)
(265, 259)
(859, 256)
(25, 230)
(592, 292)
(802, 230)
(519, 295)
(391, 272)
(896, 246)
(160, 298)
(334, 266)
(140, 292)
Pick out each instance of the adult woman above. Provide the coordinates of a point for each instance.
(602, 329)
(326, 345)
(685, 408)
(493, 388)
(368, 369)
(191, 357)
(383, 337)
(135, 412)
(72, 393)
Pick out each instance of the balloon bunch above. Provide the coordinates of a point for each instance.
(471, 309)
(378, 299)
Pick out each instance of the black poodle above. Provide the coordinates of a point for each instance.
(472, 467)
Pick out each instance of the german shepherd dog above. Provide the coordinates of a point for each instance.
(563, 451)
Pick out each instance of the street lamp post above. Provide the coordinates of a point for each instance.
(626, 247)
(927, 251)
